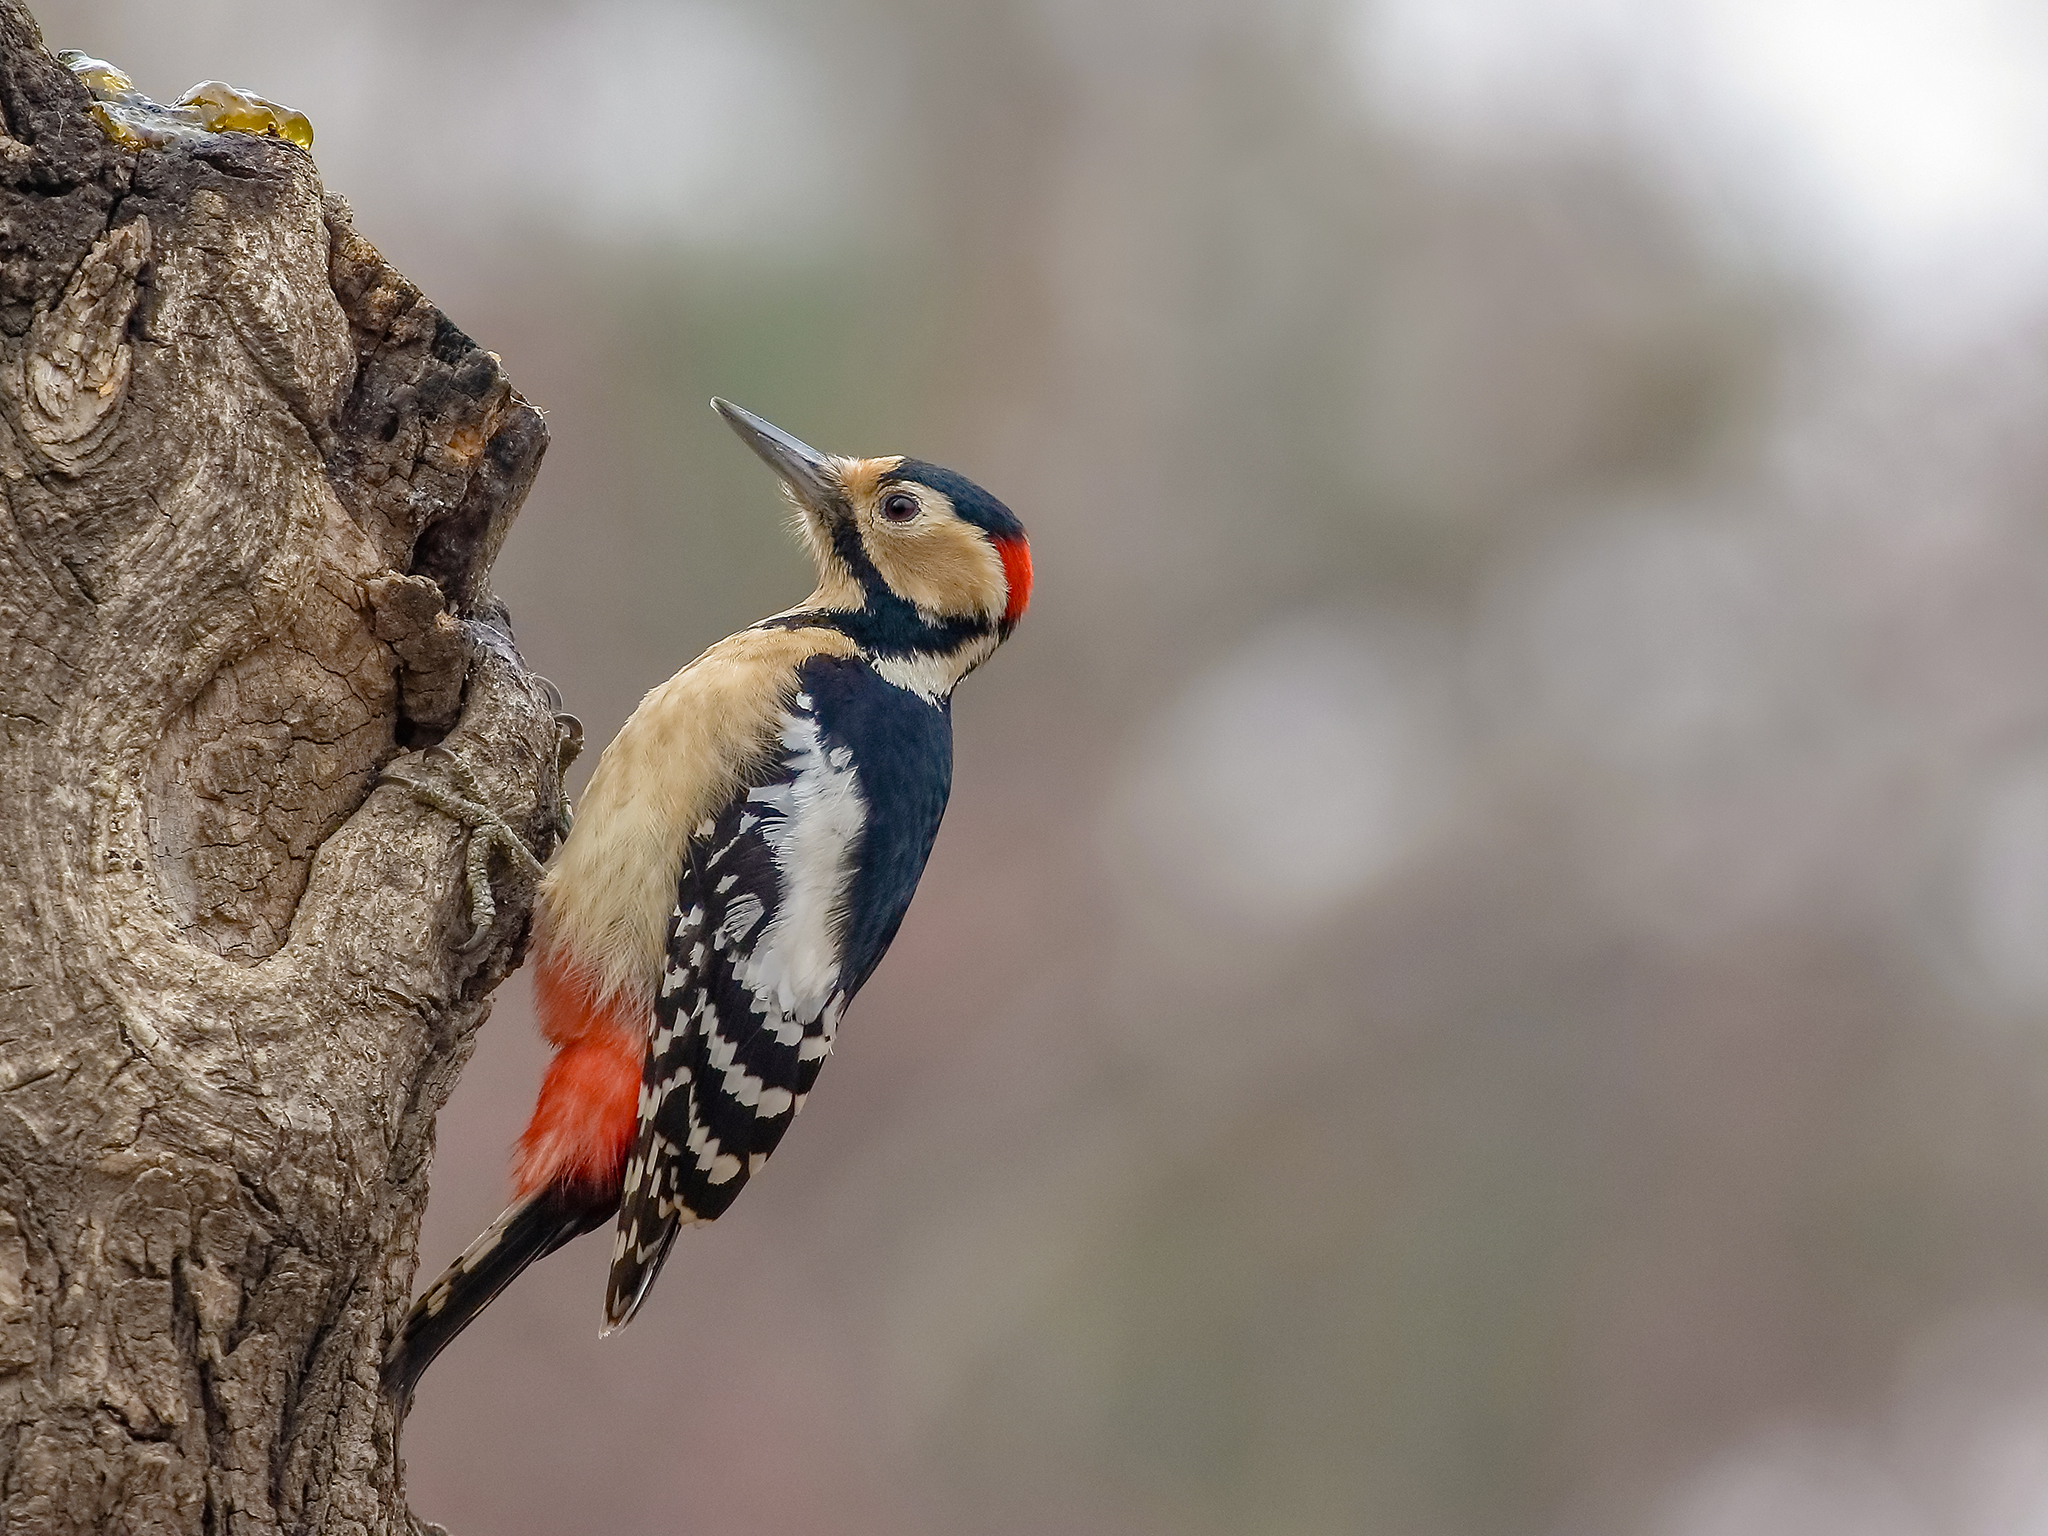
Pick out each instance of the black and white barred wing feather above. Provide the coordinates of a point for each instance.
(748, 1004)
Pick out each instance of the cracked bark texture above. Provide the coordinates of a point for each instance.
(251, 484)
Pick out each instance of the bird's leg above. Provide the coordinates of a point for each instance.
(487, 830)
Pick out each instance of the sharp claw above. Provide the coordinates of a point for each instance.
(570, 745)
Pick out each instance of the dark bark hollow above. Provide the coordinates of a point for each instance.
(251, 485)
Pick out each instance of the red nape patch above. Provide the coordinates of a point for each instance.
(582, 1128)
(1016, 553)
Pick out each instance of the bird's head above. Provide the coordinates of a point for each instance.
(912, 558)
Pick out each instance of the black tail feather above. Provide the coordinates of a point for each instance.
(530, 1229)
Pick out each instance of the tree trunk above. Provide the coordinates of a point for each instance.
(251, 485)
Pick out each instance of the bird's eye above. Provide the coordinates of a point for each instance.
(899, 506)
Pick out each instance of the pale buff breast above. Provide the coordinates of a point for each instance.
(605, 902)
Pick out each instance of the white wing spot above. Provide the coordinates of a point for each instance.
(741, 917)
(742, 1087)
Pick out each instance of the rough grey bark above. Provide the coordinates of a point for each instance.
(251, 485)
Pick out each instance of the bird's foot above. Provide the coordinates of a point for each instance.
(487, 830)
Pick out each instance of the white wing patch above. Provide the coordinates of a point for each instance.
(793, 968)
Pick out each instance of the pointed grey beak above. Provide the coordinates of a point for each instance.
(801, 467)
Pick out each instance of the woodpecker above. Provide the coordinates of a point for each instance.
(739, 863)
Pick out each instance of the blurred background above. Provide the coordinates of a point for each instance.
(1487, 974)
